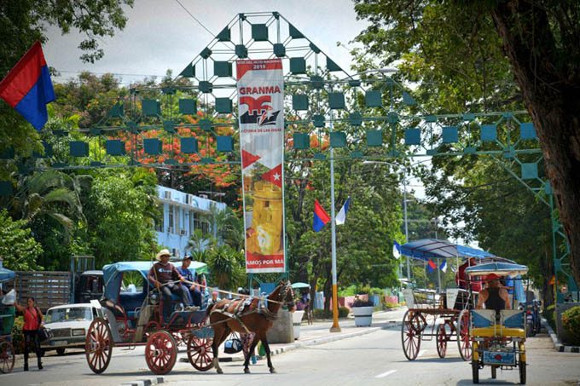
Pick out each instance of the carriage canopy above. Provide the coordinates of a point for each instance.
(426, 249)
(6, 275)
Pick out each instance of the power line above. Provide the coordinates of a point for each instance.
(194, 18)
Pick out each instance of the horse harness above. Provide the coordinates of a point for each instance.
(236, 309)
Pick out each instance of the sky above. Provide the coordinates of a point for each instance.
(161, 35)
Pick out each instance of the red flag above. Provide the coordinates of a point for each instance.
(320, 217)
(248, 159)
(274, 176)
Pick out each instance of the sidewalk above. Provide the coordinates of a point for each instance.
(319, 332)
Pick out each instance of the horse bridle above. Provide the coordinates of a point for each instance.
(284, 295)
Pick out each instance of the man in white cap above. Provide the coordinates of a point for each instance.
(165, 276)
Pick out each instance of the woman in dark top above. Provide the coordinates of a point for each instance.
(494, 297)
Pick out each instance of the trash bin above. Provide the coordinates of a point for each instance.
(296, 322)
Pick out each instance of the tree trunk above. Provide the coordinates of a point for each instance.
(551, 89)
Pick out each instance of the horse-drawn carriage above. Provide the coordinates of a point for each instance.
(128, 318)
(498, 337)
(7, 314)
(444, 315)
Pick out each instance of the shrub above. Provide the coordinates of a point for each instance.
(17, 337)
(571, 322)
(549, 313)
(390, 305)
(358, 302)
(327, 314)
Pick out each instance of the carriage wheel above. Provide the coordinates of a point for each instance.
(6, 357)
(442, 338)
(413, 324)
(463, 339)
(99, 345)
(161, 352)
(200, 352)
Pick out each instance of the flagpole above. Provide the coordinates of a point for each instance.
(335, 327)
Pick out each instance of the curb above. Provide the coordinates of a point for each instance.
(557, 345)
(145, 382)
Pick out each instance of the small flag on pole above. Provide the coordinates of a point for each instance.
(431, 266)
(320, 217)
(443, 266)
(341, 216)
(28, 89)
(396, 250)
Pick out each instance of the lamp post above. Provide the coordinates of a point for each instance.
(404, 205)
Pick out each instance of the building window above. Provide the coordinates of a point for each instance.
(171, 219)
(200, 222)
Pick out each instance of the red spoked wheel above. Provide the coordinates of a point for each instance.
(463, 338)
(161, 352)
(200, 352)
(99, 345)
(442, 339)
(413, 323)
(6, 357)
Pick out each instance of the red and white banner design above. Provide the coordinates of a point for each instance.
(261, 111)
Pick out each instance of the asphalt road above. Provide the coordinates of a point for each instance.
(371, 359)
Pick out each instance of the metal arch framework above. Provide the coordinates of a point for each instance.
(367, 116)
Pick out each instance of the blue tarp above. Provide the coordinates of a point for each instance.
(6, 275)
(113, 274)
(426, 249)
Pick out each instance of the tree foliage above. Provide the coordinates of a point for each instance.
(18, 249)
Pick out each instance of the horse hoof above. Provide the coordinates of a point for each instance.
(220, 371)
(272, 370)
(247, 371)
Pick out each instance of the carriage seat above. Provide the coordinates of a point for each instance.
(132, 302)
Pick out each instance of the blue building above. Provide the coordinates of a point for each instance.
(183, 213)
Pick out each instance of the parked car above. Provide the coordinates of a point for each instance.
(68, 324)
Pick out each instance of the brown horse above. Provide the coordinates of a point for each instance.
(227, 316)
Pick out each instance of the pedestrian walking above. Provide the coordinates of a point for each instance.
(32, 322)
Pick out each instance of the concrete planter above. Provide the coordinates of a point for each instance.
(296, 321)
(363, 316)
(282, 330)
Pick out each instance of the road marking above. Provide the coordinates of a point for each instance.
(421, 353)
(386, 373)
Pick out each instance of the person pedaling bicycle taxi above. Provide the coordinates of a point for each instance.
(495, 296)
(164, 276)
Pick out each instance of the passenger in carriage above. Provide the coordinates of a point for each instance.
(495, 296)
(461, 276)
(191, 288)
(165, 276)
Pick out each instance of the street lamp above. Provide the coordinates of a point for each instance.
(404, 204)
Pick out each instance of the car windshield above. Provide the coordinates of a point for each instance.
(68, 314)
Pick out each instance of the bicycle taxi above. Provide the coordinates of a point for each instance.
(440, 315)
(7, 315)
(498, 338)
(129, 318)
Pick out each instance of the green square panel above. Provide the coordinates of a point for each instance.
(527, 131)
(356, 154)
(115, 147)
(294, 33)
(373, 98)
(260, 32)
(300, 102)
(529, 171)
(150, 107)
(205, 53)
(301, 141)
(7, 153)
(5, 188)
(488, 133)
(224, 35)
(205, 124)
(450, 134)
(47, 151)
(408, 99)
(374, 137)
(187, 106)
(116, 111)
(189, 145)
(205, 87)
(355, 119)
(188, 71)
(225, 143)
(331, 65)
(336, 100)
(152, 146)
(298, 65)
(79, 148)
(316, 81)
(279, 50)
(241, 51)
(222, 69)
(223, 105)
(318, 120)
(169, 127)
(337, 139)
(412, 137)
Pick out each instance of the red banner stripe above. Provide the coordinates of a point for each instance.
(23, 76)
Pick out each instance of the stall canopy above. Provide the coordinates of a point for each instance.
(426, 249)
(6, 275)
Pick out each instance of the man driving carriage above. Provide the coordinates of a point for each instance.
(164, 276)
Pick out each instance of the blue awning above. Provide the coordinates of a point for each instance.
(6, 275)
(426, 249)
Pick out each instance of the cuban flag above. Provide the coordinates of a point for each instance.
(320, 217)
(28, 87)
(341, 216)
(443, 266)
(431, 266)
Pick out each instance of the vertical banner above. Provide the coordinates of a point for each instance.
(261, 112)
